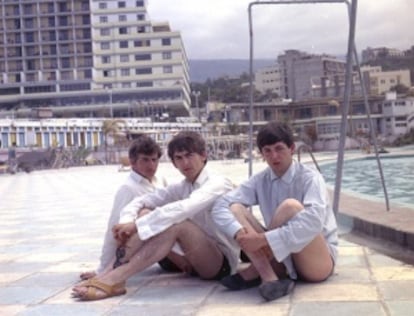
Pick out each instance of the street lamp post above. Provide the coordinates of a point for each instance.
(196, 94)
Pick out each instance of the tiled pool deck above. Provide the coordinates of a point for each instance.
(51, 228)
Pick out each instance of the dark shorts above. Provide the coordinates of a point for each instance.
(225, 270)
(170, 266)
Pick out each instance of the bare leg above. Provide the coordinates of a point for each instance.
(314, 262)
(202, 253)
(259, 259)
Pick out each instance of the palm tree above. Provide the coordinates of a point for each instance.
(111, 127)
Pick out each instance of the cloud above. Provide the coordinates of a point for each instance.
(219, 28)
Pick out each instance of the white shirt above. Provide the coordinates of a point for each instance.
(182, 201)
(135, 185)
(268, 190)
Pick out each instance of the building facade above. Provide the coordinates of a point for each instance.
(302, 72)
(379, 82)
(268, 79)
(90, 58)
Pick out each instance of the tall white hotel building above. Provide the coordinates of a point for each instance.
(90, 58)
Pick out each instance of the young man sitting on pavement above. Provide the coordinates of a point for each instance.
(180, 214)
(299, 239)
(143, 154)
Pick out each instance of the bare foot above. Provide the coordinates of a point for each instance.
(87, 275)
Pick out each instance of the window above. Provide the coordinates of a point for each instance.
(87, 73)
(123, 44)
(141, 29)
(105, 32)
(122, 18)
(102, 5)
(125, 72)
(29, 37)
(123, 30)
(65, 63)
(166, 41)
(106, 73)
(103, 19)
(106, 59)
(142, 57)
(145, 43)
(121, 4)
(143, 71)
(144, 84)
(124, 58)
(126, 85)
(139, 3)
(86, 19)
(166, 55)
(105, 45)
(167, 69)
(140, 17)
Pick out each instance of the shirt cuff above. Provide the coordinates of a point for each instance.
(280, 251)
(233, 228)
(143, 229)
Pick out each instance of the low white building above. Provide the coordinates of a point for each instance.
(398, 114)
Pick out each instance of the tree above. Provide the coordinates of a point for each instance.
(400, 88)
(111, 128)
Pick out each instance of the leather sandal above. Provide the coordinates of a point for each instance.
(93, 285)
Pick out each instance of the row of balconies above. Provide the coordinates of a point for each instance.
(28, 9)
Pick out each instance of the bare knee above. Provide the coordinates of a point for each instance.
(285, 211)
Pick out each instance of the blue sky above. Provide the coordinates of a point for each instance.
(216, 29)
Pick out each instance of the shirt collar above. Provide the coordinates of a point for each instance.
(288, 175)
(202, 177)
(138, 178)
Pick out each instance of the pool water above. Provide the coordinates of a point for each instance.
(362, 176)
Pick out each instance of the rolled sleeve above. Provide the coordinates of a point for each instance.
(199, 200)
(221, 213)
(130, 211)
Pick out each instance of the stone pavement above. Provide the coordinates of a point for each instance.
(51, 228)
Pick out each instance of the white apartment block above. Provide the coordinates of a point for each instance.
(90, 58)
(398, 115)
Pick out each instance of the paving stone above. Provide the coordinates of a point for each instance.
(51, 229)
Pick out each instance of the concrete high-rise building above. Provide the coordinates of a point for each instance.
(301, 72)
(90, 58)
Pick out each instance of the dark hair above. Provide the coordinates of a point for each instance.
(187, 141)
(274, 132)
(143, 145)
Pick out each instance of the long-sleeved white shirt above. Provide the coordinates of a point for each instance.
(182, 201)
(135, 185)
(268, 190)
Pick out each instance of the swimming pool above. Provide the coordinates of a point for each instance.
(362, 176)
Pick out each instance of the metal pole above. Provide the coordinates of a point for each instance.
(372, 132)
(345, 108)
(251, 91)
(251, 62)
(196, 94)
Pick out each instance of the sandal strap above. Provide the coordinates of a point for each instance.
(107, 289)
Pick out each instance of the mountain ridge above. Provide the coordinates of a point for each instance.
(203, 69)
